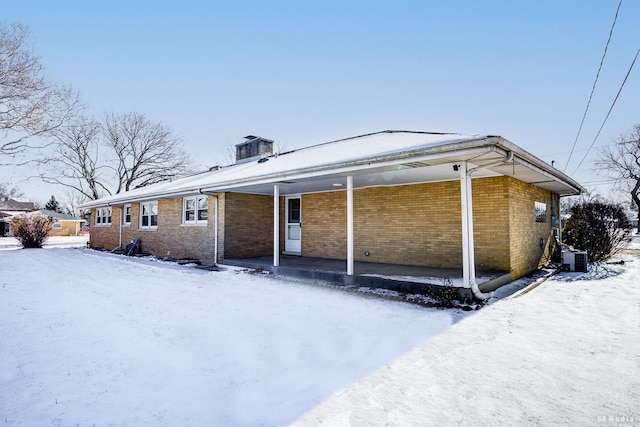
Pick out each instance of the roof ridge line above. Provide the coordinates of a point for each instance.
(371, 134)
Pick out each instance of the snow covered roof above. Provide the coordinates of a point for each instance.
(58, 215)
(11, 204)
(381, 158)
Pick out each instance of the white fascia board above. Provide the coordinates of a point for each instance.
(343, 169)
(536, 164)
(451, 149)
(570, 183)
(119, 201)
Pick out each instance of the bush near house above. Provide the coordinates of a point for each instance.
(597, 227)
(31, 230)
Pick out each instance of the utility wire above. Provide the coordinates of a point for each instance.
(593, 88)
(610, 109)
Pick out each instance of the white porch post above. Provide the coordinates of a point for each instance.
(350, 225)
(468, 256)
(276, 225)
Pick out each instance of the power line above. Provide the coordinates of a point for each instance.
(610, 109)
(593, 88)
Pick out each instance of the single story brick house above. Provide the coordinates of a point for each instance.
(392, 197)
(63, 224)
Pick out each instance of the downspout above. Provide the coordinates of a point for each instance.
(468, 259)
(215, 225)
(469, 268)
(119, 226)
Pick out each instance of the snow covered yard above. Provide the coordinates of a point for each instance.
(564, 353)
(90, 338)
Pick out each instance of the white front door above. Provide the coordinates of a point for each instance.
(293, 231)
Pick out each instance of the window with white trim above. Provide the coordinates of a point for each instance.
(195, 210)
(57, 223)
(103, 216)
(127, 215)
(149, 215)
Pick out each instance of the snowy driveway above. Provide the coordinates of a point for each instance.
(96, 339)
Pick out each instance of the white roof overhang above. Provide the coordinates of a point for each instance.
(486, 156)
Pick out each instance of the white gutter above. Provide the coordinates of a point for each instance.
(336, 169)
(448, 150)
(313, 172)
(532, 162)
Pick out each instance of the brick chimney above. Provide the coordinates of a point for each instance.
(254, 147)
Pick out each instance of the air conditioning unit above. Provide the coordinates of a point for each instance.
(575, 260)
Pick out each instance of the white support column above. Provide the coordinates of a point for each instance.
(350, 225)
(468, 256)
(276, 225)
(465, 225)
(216, 233)
(470, 241)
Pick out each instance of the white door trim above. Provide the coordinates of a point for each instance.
(292, 230)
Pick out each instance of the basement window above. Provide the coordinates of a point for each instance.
(149, 215)
(103, 217)
(195, 210)
(541, 212)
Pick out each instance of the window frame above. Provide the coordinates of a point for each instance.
(148, 205)
(126, 207)
(196, 211)
(57, 224)
(103, 217)
(540, 212)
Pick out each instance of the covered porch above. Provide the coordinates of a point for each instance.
(388, 207)
(410, 279)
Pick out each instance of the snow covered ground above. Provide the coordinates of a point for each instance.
(55, 241)
(90, 338)
(565, 353)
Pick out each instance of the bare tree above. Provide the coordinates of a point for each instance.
(146, 152)
(125, 152)
(30, 105)
(72, 199)
(622, 162)
(7, 189)
(76, 160)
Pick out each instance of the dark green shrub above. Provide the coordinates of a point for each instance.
(597, 227)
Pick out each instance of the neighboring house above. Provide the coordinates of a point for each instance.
(63, 224)
(393, 197)
(9, 208)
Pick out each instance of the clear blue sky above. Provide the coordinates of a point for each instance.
(304, 72)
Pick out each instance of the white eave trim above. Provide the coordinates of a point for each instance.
(453, 151)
